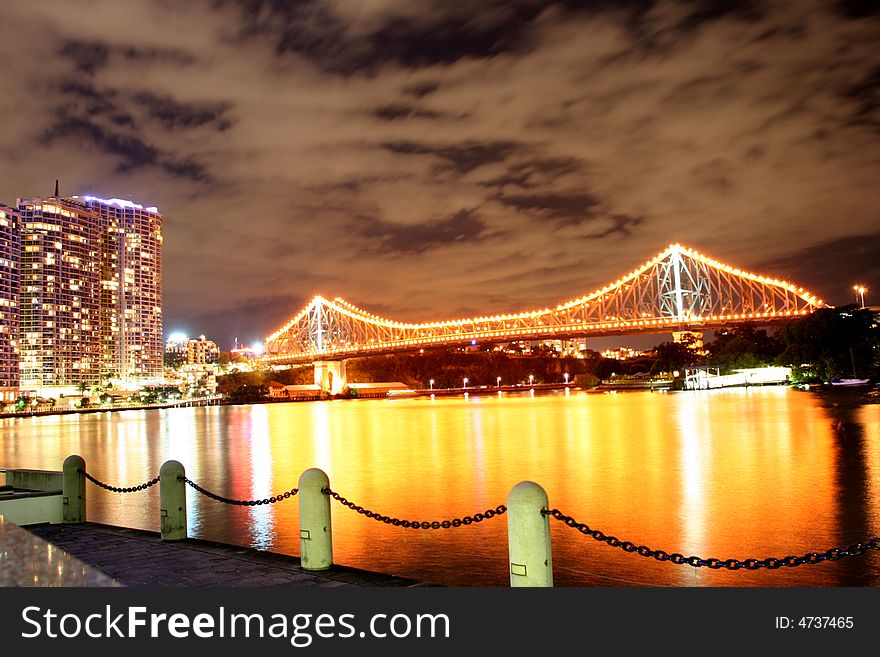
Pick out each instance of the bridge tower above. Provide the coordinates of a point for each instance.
(330, 375)
(683, 285)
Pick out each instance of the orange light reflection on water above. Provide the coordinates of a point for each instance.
(738, 473)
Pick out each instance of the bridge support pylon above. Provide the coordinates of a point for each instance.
(330, 375)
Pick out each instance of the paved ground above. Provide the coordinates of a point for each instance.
(139, 558)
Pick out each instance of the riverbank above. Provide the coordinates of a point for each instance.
(183, 403)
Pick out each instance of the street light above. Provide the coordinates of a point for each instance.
(531, 378)
(566, 378)
(860, 290)
(465, 382)
(431, 383)
(498, 380)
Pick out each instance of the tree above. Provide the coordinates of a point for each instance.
(742, 347)
(674, 356)
(832, 343)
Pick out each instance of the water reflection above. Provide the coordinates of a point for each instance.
(740, 473)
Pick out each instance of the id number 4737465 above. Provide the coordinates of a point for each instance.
(815, 622)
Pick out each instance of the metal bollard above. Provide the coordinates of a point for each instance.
(73, 489)
(172, 501)
(528, 536)
(315, 535)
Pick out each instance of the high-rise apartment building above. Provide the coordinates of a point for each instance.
(90, 292)
(131, 327)
(59, 333)
(10, 272)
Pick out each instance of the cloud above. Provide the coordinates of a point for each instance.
(460, 157)
(175, 114)
(464, 225)
(526, 151)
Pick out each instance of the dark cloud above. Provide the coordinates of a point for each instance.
(461, 157)
(463, 226)
(837, 264)
(87, 57)
(88, 98)
(865, 95)
(536, 172)
(90, 56)
(858, 8)
(173, 114)
(442, 33)
(701, 12)
(621, 224)
(399, 111)
(421, 89)
(132, 151)
(566, 209)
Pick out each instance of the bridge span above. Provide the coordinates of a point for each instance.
(679, 289)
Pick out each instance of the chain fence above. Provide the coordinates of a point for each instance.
(226, 500)
(772, 563)
(117, 489)
(417, 524)
(833, 554)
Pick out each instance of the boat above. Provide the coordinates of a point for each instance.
(850, 382)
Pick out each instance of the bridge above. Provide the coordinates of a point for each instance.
(679, 289)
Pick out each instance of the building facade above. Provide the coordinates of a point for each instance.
(59, 333)
(202, 351)
(10, 278)
(131, 325)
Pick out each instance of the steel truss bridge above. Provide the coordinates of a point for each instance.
(677, 290)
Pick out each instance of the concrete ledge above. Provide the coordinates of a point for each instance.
(137, 557)
(27, 560)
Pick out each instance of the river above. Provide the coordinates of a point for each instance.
(749, 472)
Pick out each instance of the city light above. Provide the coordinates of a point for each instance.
(177, 337)
(860, 291)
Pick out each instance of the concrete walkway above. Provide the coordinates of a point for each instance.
(135, 557)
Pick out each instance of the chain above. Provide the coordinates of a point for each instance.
(130, 489)
(731, 564)
(226, 500)
(416, 524)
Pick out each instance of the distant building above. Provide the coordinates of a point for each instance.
(201, 351)
(198, 379)
(180, 350)
(10, 273)
(622, 353)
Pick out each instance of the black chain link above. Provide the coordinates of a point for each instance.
(226, 500)
(833, 554)
(116, 489)
(417, 524)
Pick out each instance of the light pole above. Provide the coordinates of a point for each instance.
(566, 378)
(531, 379)
(431, 383)
(498, 381)
(860, 291)
(465, 382)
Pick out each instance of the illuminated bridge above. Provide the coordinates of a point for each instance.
(677, 290)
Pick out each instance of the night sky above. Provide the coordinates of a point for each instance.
(433, 159)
